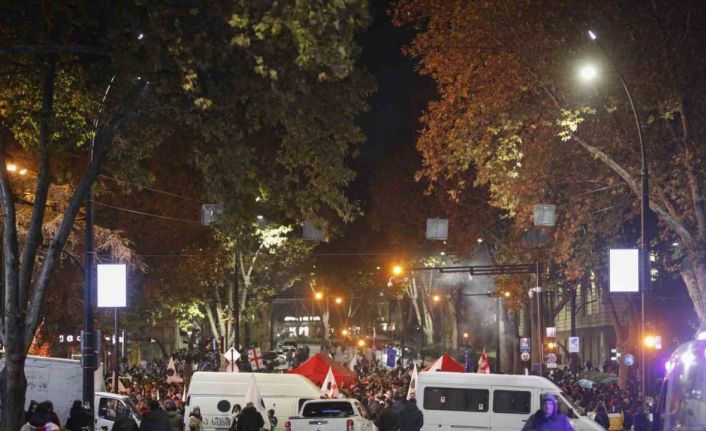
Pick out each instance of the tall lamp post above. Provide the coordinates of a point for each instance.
(589, 73)
(89, 358)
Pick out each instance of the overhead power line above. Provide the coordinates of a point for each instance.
(163, 217)
(152, 189)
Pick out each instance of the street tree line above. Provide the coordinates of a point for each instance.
(260, 97)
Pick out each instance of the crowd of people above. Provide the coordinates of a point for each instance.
(605, 400)
(160, 399)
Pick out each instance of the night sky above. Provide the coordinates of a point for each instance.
(390, 126)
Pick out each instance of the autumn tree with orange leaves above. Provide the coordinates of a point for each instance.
(512, 109)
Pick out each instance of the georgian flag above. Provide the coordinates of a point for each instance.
(330, 387)
(483, 365)
(412, 391)
(255, 358)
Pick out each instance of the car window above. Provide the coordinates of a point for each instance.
(107, 408)
(341, 409)
(514, 402)
(456, 399)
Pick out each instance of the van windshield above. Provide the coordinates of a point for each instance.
(133, 408)
(328, 410)
(570, 404)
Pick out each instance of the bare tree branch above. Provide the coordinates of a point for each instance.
(34, 230)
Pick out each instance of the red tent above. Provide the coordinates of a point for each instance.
(316, 368)
(446, 363)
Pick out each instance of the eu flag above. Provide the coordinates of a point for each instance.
(391, 357)
(469, 368)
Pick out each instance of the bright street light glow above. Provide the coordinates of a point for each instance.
(140, 36)
(339, 300)
(361, 343)
(480, 240)
(11, 167)
(318, 296)
(23, 171)
(397, 270)
(436, 298)
(592, 35)
(588, 72)
(650, 341)
(260, 217)
(344, 332)
(506, 294)
(465, 335)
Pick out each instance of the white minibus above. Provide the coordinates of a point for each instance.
(499, 402)
(216, 393)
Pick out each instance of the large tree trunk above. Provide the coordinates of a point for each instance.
(15, 383)
(509, 342)
(693, 272)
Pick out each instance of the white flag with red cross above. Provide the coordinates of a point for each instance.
(483, 364)
(255, 358)
(330, 387)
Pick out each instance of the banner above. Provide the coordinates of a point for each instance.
(330, 387)
(391, 357)
(412, 391)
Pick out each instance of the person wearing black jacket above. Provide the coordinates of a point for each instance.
(411, 418)
(389, 419)
(602, 417)
(78, 417)
(156, 419)
(250, 419)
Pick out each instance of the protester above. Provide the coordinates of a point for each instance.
(234, 417)
(124, 420)
(250, 419)
(41, 420)
(52, 414)
(175, 419)
(78, 417)
(195, 420)
(602, 417)
(389, 418)
(30, 410)
(548, 417)
(411, 418)
(156, 419)
(272, 419)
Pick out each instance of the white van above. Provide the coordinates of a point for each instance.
(59, 380)
(216, 393)
(501, 402)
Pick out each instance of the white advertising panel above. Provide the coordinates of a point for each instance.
(111, 282)
(624, 270)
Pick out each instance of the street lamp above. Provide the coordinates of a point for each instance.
(588, 72)
(361, 343)
(644, 208)
(397, 270)
(339, 300)
(318, 296)
(436, 298)
(344, 332)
